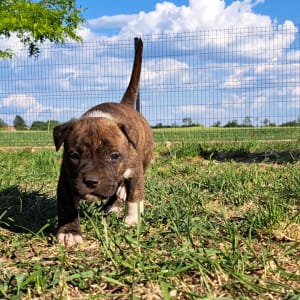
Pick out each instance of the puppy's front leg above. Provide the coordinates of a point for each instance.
(69, 232)
(135, 200)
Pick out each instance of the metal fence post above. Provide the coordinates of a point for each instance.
(138, 103)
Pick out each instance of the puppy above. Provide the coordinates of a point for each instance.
(106, 153)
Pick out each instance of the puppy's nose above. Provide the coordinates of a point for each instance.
(91, 182)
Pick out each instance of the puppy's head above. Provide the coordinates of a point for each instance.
(96, 155)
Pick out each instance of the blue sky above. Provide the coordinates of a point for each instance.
(107, 19)
(65, 81)
(280, 10)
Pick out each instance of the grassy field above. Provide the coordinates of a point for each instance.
(187, 134)
(207, 134)
(222, 221)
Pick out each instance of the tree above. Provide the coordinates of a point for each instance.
(291, 123)
(247, 122)
(40, 125)
(159, 125)
(35, 22)
(266, 123)
(19, 123)
(51, 124)
(2, 124)
(187, 122)
(233, 123)
(217, 124)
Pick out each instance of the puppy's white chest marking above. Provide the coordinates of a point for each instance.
(127, 174)
(98, 114)
(121, 192)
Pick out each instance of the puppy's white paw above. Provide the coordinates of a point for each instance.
(131, 221)
(113, 209)
(69, 239)
(134, 211)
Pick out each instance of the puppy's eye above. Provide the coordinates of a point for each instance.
(115, 156)
(74, 156)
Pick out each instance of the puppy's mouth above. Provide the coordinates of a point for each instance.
(94, 191)
(93, 197)
(96, 196)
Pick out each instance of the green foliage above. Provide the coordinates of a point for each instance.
(40, 125)
(233, 123)
(2, 123)
(19, 123)
(292, 123)
(36, 22)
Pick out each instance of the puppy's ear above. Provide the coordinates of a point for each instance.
(60, 133)
(131, 134)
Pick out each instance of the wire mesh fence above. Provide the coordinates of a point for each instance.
(221, 85)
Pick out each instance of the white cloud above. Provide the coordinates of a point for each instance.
(200, 109)
(22, 101)
(259, 102)
(29, 108)
(167, 71)
(238, 21)
(13, 43)
(233, 101)
(293, 55)
(296, 91)
(198, 15)
(110, 22)
(235, 79)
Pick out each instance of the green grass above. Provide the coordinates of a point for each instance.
(25, 138)
(218, 224)
(188, 134)
(211, 134)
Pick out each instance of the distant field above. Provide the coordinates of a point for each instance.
(204, 134)
(187, 134)
(25, 138)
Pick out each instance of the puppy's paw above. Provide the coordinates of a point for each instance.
(131, 221)
(115, 207)
(70, 233)
(69, 239)
(134, 212)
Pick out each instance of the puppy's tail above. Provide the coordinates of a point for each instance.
(132, 91)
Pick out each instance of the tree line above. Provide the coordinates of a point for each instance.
(188, 122)
(20, 124)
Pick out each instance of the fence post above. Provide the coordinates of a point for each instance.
(137, 103)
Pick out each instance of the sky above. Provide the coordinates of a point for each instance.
(113, 17)
(186, 75)
(280, 10)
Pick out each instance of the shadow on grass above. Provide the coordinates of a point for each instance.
(239, 153)
(276, 157)
(23, 212)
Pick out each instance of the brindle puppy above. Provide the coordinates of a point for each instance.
(106, 153)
